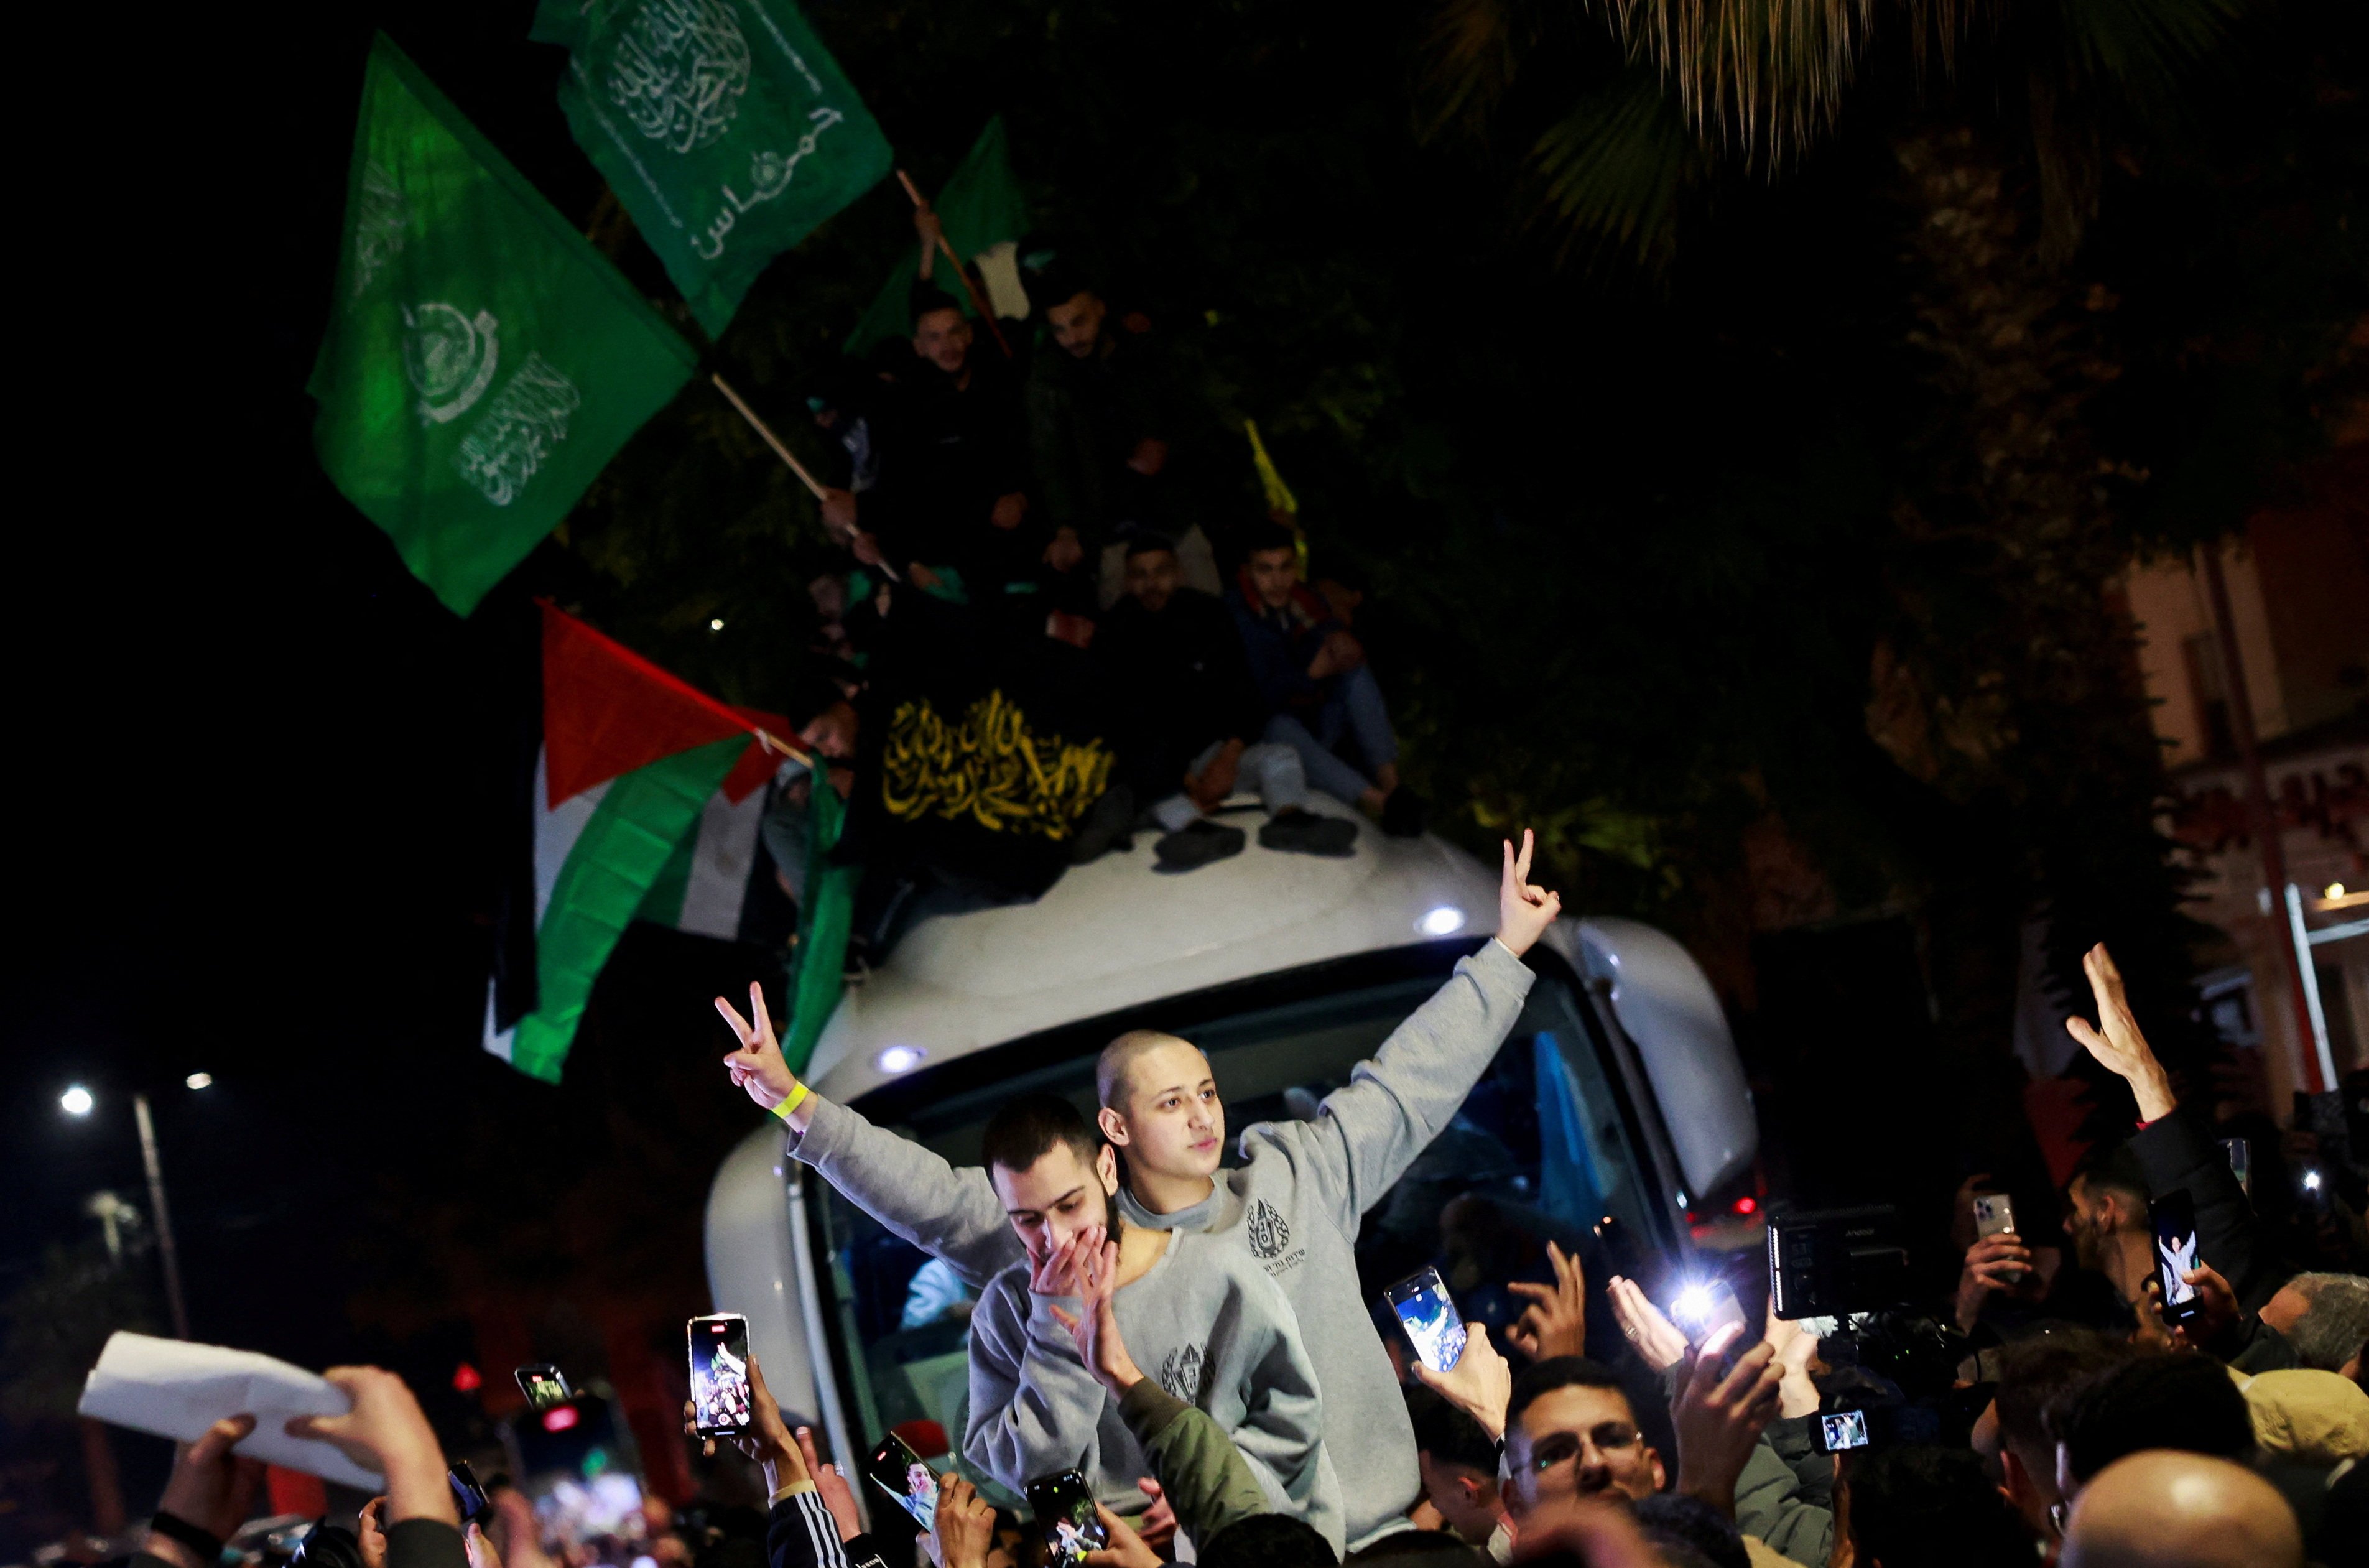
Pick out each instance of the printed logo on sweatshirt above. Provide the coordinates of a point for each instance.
(1269, 1231)
(1180, 1374)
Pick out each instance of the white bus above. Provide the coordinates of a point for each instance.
(1618, 1092)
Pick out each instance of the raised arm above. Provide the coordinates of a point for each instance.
(2115, 1039)
(947, 1212)
(2175, 1150)
(1370, 1132)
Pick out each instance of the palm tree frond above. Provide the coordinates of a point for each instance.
(1761, 75)
(1614, 169)
(1471, 51)
(2144, 45)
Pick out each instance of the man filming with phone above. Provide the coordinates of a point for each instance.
(1294, 1205)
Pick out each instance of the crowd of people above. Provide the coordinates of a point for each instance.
(1043, 505)
(1192, 1339)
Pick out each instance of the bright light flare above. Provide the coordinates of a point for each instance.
(76, 1100)
(2335, 890)
(199, 1080)
(717, 624)
(1445, 921)
(899, 1058)
(2311, 1181)
(1691, 1305)
(559, 1418)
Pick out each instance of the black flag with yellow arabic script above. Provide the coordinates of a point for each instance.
(980, 755)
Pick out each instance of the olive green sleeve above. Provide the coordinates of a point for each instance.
(1195, 1463)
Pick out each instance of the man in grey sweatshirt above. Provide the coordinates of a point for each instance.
(1293, 1207)
(1216, 1330)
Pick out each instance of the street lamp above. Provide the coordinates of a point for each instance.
(77, 1101)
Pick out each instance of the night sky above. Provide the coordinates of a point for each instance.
(253, 754)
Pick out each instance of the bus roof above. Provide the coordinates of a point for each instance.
(1119, 934)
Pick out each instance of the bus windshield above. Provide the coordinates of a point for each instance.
(1542, 1148)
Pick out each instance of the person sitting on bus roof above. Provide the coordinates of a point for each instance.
(1218, 1332)
(1188, 730)
(1294, 1205)
(1320, 691)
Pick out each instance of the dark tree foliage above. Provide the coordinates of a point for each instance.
(1650, 555)
(1783, 539)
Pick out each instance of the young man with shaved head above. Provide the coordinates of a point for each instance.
(1293, 1206)
(1212, 1329)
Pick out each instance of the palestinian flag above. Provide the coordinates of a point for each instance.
(647, 796)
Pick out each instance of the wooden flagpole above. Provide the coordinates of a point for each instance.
(772, 742)
(977, 301)
(813, 485)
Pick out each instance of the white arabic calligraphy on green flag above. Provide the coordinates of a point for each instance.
(482, 362)
(723, 126)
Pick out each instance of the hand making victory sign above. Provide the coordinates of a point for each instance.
(758, 1065)
(1524, 909)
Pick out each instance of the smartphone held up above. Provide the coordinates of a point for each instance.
(1701, 1311)
(470, 1498)
(719, 1374)
(2173, 1215)
(1993, 1214)
(907, 1479)
(545, 1386)
(1429, 1316)
(1064, 1507)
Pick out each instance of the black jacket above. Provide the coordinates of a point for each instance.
(1085, 419)
(1180, 683)
(945, 454)
(800, 1533)
(2178, 1154)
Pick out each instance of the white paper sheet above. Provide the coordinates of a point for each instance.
(176, 1389)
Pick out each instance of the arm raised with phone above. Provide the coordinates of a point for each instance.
(2175, 1152)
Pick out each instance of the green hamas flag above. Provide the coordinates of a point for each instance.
(984, 215)
(482, 361)
(723, 126)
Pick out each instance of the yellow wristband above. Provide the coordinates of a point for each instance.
(797, 1097)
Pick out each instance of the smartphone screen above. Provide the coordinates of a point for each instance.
(719, 1374)
(1065, 1509)
(1994, 1213)
(909, 1483)
(1844, 1429)
(545, 1386)
(468, 1496)
(1701, 1311)
(1429, 1317)
(2174, 1216)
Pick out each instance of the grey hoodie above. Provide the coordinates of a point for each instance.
(1204, 1323)
(1293, 1206)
